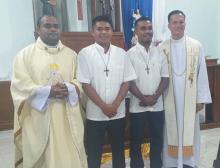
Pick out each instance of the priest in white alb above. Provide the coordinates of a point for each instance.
(187, 94)
(48, 123)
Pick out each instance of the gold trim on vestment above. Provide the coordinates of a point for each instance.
(187, 151)
(172, 151)
(18, 162)
(18, 132)
(190, 76)
(192, 61)
(80, 100)
(20, 108)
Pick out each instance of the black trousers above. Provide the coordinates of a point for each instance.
(96, 131)
(138, 122)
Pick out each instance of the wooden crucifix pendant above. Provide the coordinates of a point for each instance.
(106, 71)
(147, 69)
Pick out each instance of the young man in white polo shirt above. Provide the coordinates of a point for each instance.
(105, 72)
(146, 103)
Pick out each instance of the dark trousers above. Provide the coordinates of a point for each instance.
(95, 135)
(138, 122)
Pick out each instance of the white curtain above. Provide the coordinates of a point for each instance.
(158, 20)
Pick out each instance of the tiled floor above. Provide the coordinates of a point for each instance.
(209, 146)
(6, 149)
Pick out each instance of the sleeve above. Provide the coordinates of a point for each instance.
(39, 101)
(83, 73)
(72, 94)
(129, 72)
(203, 92)
(22, 84)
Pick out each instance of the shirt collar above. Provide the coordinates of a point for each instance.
(142, 48)
(50, 49)
(101, 49)
(179, 40)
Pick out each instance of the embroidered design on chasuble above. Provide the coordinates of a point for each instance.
(190, 72)
(54, 76)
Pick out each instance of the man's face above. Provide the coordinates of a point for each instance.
(177, 26)
(144, 31)
(49, 31)
(102, 33)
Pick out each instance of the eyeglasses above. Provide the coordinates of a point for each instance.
(49, 26)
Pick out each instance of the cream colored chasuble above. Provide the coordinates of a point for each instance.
(52, 138)
(190, 72)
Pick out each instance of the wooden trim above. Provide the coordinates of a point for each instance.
(6, 106)
(79, 40)
(117, 16)
(205, 126)
(6, 125)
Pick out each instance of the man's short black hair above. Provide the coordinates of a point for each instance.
(142, 18)
(102, 18)
(39, 20)
(174, 12)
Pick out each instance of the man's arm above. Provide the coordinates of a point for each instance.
(162, 87)
(199, 106)
(145, 100)
(135, 91)
(121, 95)
(91, 93)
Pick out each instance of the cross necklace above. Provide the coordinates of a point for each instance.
(106, 70)
(147, 63)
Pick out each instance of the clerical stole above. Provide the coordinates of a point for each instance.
(192, 53)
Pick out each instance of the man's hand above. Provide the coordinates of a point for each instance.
(148, 100)
(199, 106)
(109, 109)
(58, 91)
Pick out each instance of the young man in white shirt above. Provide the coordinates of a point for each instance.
(146, 103)
(104, 72)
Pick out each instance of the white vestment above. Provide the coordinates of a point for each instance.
(178, 63)
(49, 133)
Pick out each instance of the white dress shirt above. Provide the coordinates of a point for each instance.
(92, 62)
(147, 80)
